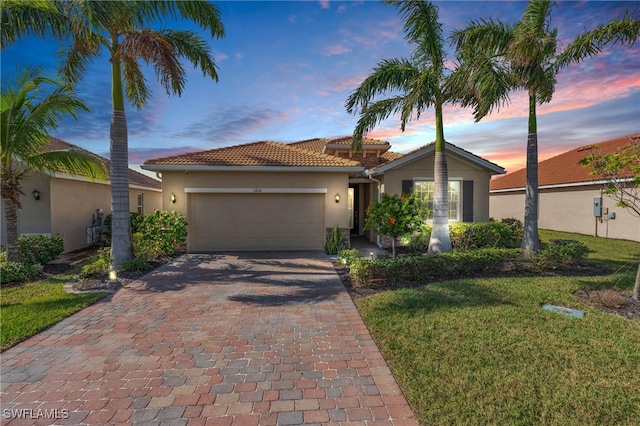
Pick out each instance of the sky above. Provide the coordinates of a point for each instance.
(287, 67)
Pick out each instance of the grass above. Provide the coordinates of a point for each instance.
(482, 351)
(29, 308)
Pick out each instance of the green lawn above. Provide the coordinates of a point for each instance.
(31, 307)
(482, 351)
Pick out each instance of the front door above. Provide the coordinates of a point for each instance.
(354, 210)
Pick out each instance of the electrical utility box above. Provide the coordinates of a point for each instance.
(597, 206)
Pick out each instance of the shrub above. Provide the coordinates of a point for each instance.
(135, 220)
(361, 272)
(137, 265)
(396, 216)
(561, 254)
(145, 249)
(348, 256)
(97, 265)
(474, 235)
(517, 229)
(39, 249)
(419, 243)
(335, 241)
(164, 229)
(18, 271)
(432, 267)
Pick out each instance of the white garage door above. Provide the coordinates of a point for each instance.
(256, 221)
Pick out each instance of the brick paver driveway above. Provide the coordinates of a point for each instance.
(218, 339)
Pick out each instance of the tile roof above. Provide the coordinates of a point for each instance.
(265, 154)
(135, 178)
(562, 169)
(367, 162)
(426, 149)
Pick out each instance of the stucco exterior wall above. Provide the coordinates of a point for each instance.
(73, 205)
(570, 210)
(336, 183)
(152, 200)
(458, 169)
(34, 217)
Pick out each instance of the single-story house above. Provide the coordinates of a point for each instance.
(73, 206)
(570, 199)
(276, 196)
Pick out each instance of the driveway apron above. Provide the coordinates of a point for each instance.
(238, 338)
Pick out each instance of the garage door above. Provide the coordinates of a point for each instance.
(256, 221)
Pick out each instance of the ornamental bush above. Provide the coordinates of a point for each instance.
(396, 216)
(18, 271)
(475, 235)
(335, 241)
(163, 229)
(39, 249)
(432, 267)
(561, 254)
(135, 220)
(97, 265)
(348, 256)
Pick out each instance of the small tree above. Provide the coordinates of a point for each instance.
(620, 171)
(396, 216)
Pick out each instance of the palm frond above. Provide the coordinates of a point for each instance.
(41, 18)
(27, 119)
(389, 75)
(482, 82)
(590, 43)
(421, 28)
(203, 13)
(78, 55)
(488, 36)
(194, 48)
(137, 88)
(154, 49)
(371, 116)
(73, 162)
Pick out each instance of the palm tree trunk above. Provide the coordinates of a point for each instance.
(11, 216)
(121, 247)
(530, 239)
(440, 239)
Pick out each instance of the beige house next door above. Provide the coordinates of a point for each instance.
(256, 221)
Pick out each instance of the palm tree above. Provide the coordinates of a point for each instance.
(123, 29)
(26, 121)
(420, 82)
(499, 58)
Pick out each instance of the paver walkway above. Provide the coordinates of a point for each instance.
(209, 339)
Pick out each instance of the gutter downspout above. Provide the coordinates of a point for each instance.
(378, 241)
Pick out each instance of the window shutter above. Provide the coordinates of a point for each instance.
(467, 201)
(407, 186)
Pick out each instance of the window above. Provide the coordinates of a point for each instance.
(140, 203)
(425, 190)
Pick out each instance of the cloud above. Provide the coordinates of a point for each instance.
(348, 83)
(227, 125)
(219, 56)
(335, 49)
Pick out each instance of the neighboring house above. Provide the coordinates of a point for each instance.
(275, 196)
(568, 194)
(70, 205)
